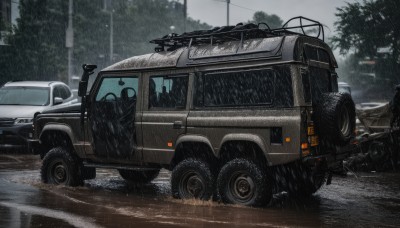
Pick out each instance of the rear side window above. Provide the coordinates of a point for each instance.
(242, 88)
(320, 82)
(66, 93)
(306, 86)
(57, 91)
(316, 54)
(168, 92)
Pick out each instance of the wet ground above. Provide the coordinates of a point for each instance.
(361, 200)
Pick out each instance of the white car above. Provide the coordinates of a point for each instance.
(20, 101)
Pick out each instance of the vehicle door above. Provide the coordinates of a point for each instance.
(112, 118)
(164, 114)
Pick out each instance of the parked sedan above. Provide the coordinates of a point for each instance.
(19, 102)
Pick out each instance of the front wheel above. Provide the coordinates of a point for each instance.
(243, 182)
(192, 178)
(61, 168)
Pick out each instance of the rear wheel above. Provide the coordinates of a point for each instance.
(304, 181)
(139, 176)
(192, 178)
(61, 168)
(243, 182)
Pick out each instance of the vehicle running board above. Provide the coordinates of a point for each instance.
(125, 167)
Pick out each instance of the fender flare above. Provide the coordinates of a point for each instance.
(58, 127)
(248, 138)
(196, 138)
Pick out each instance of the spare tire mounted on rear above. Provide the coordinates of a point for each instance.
(335, 117)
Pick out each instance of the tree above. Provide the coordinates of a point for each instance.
(37, 43)
(365, 27)
(272, 20)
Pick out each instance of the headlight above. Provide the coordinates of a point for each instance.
(23, 120)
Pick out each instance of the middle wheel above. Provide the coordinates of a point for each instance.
(243, 182)
(192, 178)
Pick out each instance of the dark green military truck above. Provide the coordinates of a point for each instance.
(237, 112)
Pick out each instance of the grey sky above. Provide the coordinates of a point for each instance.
(213, 12)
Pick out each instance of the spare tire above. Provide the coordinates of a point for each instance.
(335, 117)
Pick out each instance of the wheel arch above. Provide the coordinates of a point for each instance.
(188, 145)
(54, 135)
(238, 145)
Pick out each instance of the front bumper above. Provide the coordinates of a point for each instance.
(35, 146)
(15, 137)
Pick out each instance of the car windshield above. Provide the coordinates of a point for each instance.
(24, 95)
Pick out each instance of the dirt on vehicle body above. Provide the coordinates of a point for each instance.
(236, 112)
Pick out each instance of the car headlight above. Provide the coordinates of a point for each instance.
(23, 120)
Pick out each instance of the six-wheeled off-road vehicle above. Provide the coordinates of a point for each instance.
(236, 112)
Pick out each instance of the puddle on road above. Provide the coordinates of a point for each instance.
(109, 201)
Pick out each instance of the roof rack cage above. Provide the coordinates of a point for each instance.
(239, 32)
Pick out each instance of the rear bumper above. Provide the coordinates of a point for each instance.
(16, 137)
(333, 157)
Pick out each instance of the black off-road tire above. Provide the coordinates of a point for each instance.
(60, 167)
(241, 181)
(335, 117)
(192, 178)
(141, 177)
(310, 184)
(301, 180)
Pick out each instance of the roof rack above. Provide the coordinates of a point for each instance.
(239, 32)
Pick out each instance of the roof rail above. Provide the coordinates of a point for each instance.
(239, 32)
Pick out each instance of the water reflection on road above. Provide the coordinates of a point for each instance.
(368, 199)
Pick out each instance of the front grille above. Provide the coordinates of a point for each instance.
(6, 122)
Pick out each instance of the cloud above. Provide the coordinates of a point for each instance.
(214, 11)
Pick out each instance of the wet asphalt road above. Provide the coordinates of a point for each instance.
(364, 200)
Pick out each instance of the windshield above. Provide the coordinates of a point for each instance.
(35, 96)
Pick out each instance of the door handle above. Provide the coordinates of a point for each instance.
(177, 125)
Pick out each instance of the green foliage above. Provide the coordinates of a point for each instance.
(272, 20)
(37, 41)
(365, 27)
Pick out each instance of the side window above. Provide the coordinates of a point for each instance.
(117, 88)
(305, 77)
(316, 54)
(168, 92)
(65, 92)
(238, 88)
(57, 91)
(320, 80)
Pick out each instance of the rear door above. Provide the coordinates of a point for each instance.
(164, 117)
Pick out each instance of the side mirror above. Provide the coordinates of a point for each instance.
(58, 100)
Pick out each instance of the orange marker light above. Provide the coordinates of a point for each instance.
(288, 139)
(169, 144)
(304, 146)
(314, 140)
(310, 130)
